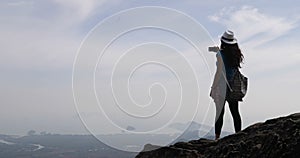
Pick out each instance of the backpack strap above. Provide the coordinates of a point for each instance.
(227, 81)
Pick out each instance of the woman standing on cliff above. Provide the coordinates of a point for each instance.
(229, 58)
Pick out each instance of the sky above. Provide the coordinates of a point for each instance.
(40, 40)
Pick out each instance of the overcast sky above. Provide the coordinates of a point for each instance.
(39, 42)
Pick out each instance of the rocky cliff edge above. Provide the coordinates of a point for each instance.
(279, 137)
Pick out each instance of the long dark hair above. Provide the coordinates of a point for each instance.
(232, 54)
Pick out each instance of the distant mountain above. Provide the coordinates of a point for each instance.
(274, 138)
(193, 130)
(191, 125)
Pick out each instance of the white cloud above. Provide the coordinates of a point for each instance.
(256, 32)
(252, 25)
(39, 41)
(82, 9)
(19, 3)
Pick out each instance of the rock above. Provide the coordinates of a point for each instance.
(258, 146)
(279, 137)
(150, 147)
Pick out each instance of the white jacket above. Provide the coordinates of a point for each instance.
(218, 89)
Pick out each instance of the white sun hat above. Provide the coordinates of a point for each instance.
(228, 37)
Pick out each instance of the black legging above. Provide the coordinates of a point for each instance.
(234, 109)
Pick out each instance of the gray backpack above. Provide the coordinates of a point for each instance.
(237, 87)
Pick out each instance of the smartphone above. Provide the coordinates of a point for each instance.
(213, 49)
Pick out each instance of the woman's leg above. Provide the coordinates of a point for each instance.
(219, 117)
(234, 109)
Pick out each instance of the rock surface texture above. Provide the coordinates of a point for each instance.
(278, 137)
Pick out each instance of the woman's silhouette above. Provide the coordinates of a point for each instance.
(229, 58)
